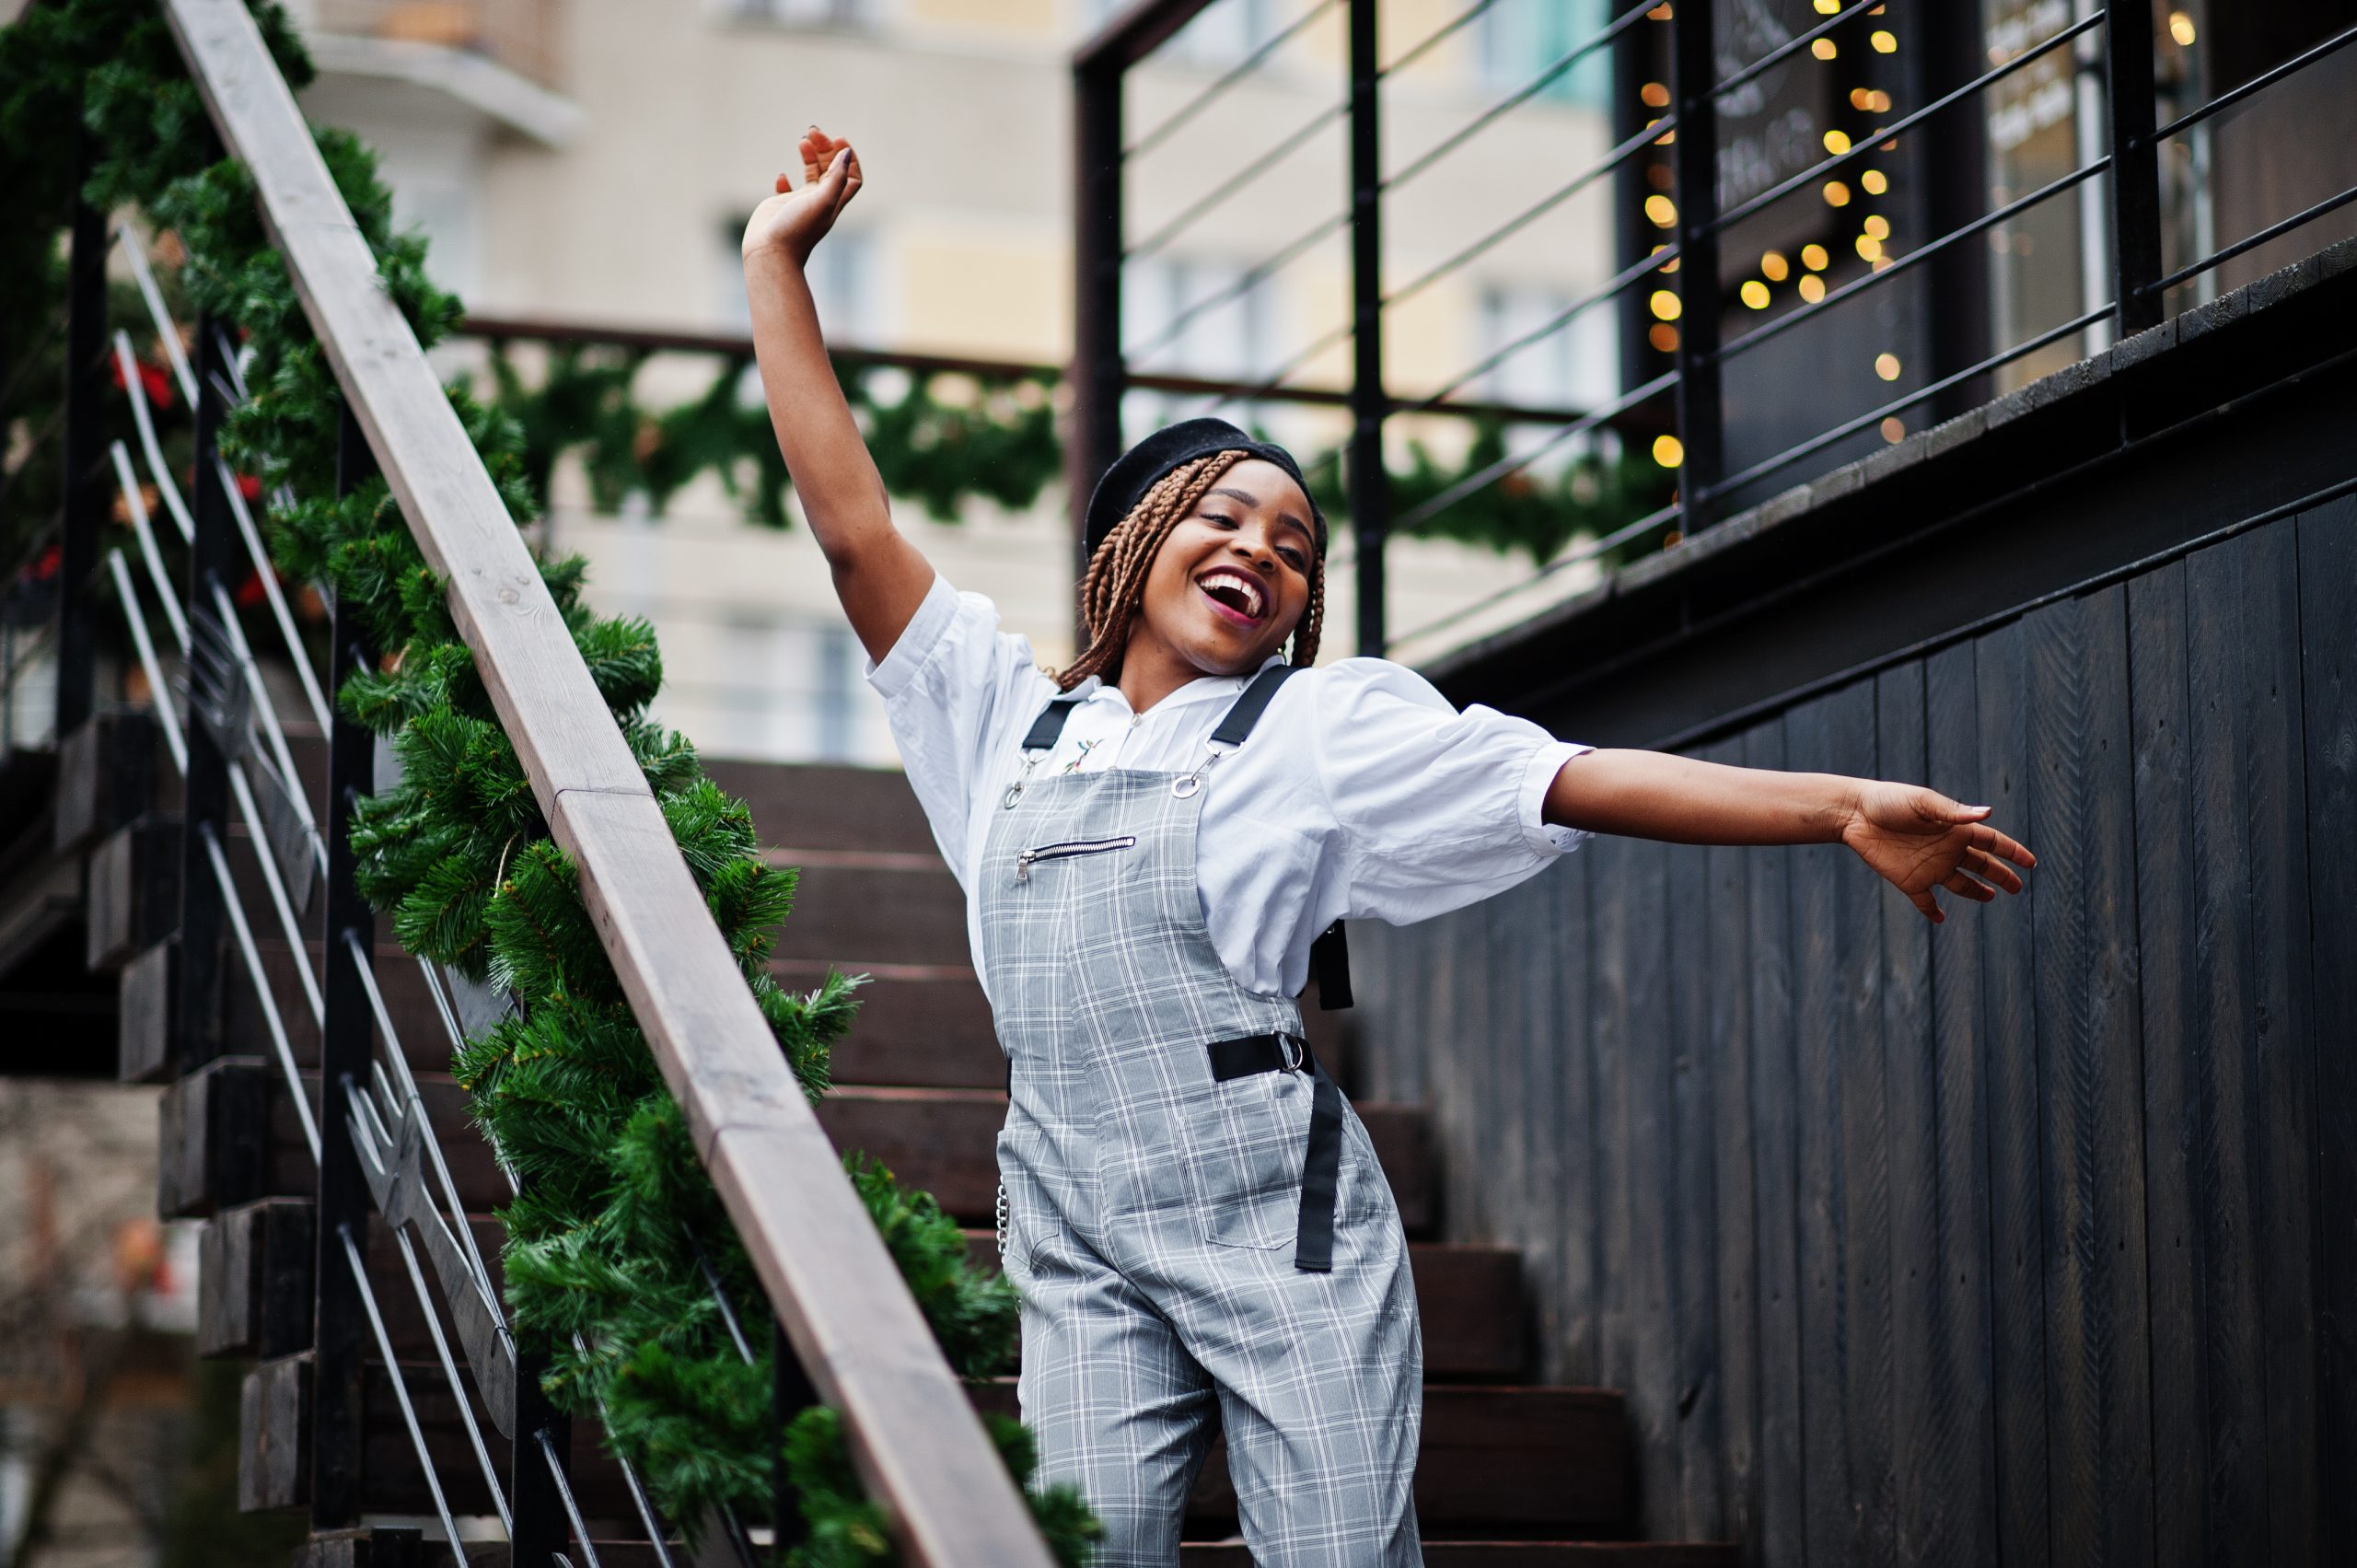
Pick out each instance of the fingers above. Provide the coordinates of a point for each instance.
(852, 179)
(1929, 905)
(1989, 868)
(1956, 882)
(1997, 844)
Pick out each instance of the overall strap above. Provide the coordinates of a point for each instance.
(1330, 955)
(1252, 704)
(1049, 725)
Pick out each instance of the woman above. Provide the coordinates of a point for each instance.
(1150, 842)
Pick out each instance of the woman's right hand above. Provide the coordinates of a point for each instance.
(793, 222)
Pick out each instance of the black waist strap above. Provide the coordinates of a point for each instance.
(1321, 1169)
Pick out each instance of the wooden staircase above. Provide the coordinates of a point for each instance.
(1512, 1472)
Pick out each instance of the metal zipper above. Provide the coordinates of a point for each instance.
(1030, 857)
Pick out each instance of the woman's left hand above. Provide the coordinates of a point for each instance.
(1917, 839)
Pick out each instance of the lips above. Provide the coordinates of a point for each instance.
(1234, 595)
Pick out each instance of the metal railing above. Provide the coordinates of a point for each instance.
(844, 1326)
(1920, 82)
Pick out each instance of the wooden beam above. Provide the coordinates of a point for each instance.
(918, 1446)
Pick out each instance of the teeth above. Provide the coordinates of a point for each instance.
(1253, 597)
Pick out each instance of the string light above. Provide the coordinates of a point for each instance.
(1883, 42)
(1655, 95)
(2181, 29)
(1666, 304)
(1887, 366)
(1869, 248)
(1662, 336)
(1894, 430)
(1828, 7)
(1837, 141)
(1754, 293)
(1812, 287)
(1877, 225)
(1814, 257)
(1774, 266)
(1658, 14)
(1875, 182)
(1823, 49)
(1869, 101)
(1669, 451)
(1835, 193)
(1661, 210)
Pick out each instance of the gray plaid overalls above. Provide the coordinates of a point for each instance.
(1151, 1209)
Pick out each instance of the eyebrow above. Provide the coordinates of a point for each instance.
(1252, 500)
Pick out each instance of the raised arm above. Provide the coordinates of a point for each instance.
(1916, 839)
(879, 576)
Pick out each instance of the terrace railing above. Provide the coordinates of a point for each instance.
(1678, 214)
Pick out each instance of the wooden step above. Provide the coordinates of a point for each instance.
(255, 1287)
(920, 1026)
(1492, 1460)
(825, 807)
(854, 909)
(1469, 1300)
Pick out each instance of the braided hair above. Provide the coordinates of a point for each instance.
(1113, 588)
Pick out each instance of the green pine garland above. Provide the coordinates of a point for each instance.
(604, 1242)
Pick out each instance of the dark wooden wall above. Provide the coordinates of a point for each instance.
(2029, 1240)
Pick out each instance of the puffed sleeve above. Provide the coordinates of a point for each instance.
(949, 685)
(1432, 808)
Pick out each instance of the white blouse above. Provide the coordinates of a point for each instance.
(1362, 795)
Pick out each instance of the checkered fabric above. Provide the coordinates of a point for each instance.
(1151, 1209)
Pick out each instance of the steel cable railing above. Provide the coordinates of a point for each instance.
(2251, 243)
(2258, 84)
(1171, 124)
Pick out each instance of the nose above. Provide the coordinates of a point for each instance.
(1255, 547)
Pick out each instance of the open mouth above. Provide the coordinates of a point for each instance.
(1235, 595)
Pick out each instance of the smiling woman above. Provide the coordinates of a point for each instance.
(1190, 1208)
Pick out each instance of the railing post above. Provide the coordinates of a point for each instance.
(85, 493)
(206, 799)
(1370, 483)
(2135, 169)
(534, 1495)
(1097, 372)
(1694, 70)
(340, 1333)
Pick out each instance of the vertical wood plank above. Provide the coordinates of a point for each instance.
(2016, 1144)
(1693, 972)
(1775, 1110)
(1957, 1395)
(2242, 657)
(1534, 1053)
(2329, 691)
(1846, 1326)
(1726, 1059)
(2179, 1305)
(2084, 974)
(1922, 1404)
(1574, 1355)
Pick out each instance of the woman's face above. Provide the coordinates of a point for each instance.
(1232, 580)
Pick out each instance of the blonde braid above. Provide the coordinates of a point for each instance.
(1113, 587)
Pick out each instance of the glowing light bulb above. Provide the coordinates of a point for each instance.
(1754, 293)
(1662, 336)
(1814, 257)
(1882, 40)
(1774, 266)
(1661, 210)
(1655, 94)
(1869, 248)
(2181, 29)
(1823, 49)
(1669, 451)
(1812, 287)
(1666, 304)
(1877, 225)
(1835, 193)
(1873, 181)
(1828, 7)
(1886, 366)
(1894, 430)
(1837, 141)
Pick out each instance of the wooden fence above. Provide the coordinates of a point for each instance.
(2031, 1239)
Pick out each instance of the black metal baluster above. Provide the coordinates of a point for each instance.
(2135, 168)
(213, 555)
(1694, 71)
(1370, 485)
(340, 1333)
(538, 1501)
(1097, 372)
(790, 1395)
(85, 492)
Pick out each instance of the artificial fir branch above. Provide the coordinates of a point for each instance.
(617, 1218)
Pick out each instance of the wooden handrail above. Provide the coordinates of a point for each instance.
(915, 1440)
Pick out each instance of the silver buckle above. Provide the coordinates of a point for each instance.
(1015, 790)
(1189, 784)
(1295, 1052)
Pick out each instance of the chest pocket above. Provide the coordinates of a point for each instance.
(1245, 1144)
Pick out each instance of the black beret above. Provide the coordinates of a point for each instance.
(1136, 470)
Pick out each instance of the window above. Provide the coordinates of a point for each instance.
(1220, 35)
(843, 280)
(806, 13)
(1519, 40)
(1194, 316)
(1574, 365)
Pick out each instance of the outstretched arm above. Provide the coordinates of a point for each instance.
(1915, 838)
(879, 576)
